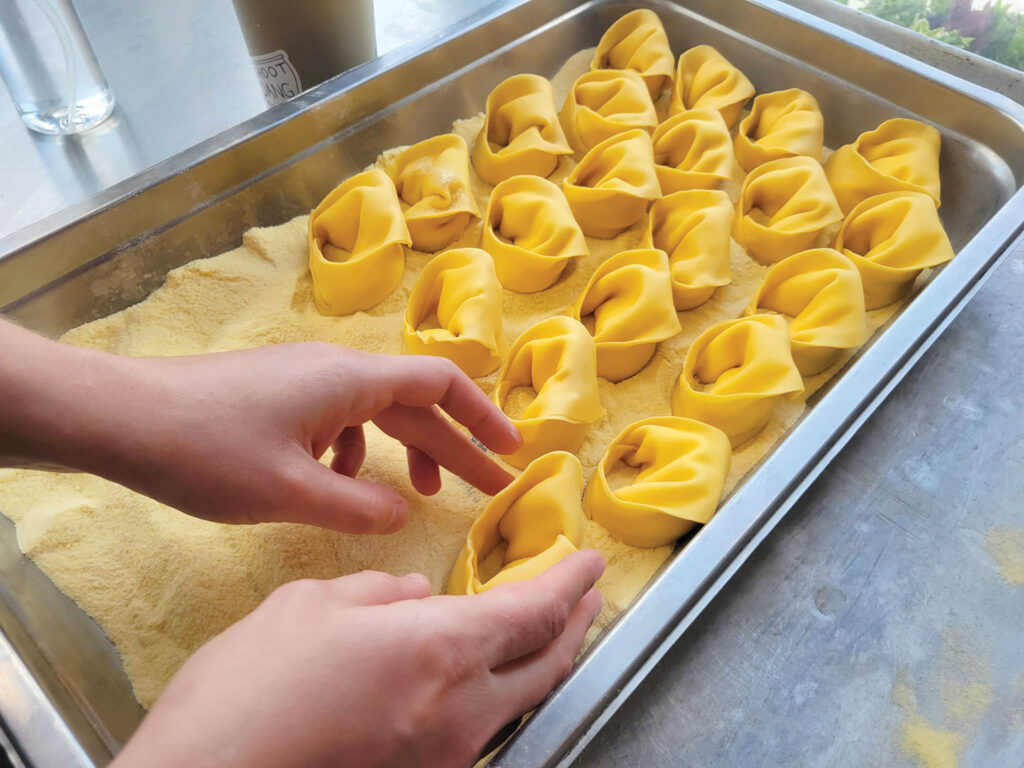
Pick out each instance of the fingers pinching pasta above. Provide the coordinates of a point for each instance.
(900, 155)
(432, 177)
(521, 133)
(693, 228)
(603, 103)
(460, 288)
(693, 150)
(735, 374)
(637, 41)
(537, 516)
(357, 238)
(821, 291)
(705, 78)
(784, 208)
(891, 238)
(530, 232)
(557, 359)
(780, 124)
(630, 299)
(683, 466)
(610, 189)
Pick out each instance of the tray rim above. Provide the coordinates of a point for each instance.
(172, 167)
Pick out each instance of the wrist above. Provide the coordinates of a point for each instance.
(61, 403)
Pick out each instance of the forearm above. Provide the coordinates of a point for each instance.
(59, 405)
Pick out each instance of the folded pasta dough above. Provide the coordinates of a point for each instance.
(780, 124)
(705, 78)
(784, 208)
(605, 102)
(683, 466)
(900, 155)
(530, 232)
(735, 374)
(822, 292)
(630, 299)
(693, 228)
(357, 238)
(891, 238)
(693, 150)
(557, 359)
(521, 133)
(432, 178)
(610, 189)
(459, 287)
(637, 41)
(537, 519)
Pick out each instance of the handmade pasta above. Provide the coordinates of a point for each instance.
(821, 291)
(537, 518)
(357, 238)
(900, 155)
(557, 359)
(521, 133)
(785, 206)
(460, 288)
(891, 238)
(630, 299)
(610, 189)
(736, 373)
(683, 464)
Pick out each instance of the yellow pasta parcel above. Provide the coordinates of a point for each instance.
(357, 238)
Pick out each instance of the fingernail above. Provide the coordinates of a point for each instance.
(600, 606)
(396, 513)
(510, 428)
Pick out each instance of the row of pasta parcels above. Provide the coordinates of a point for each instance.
(533, 228)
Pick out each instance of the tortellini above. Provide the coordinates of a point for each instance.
(693, 150)
(705, 78)
(531, 234)
(432, 177)
(459, 288)
(538, 517)
(785, 206)
(683, 466)
(693, 228)
(736, 373)
(357, 238)
(603, 103)
(521, 133)
(630, 299)
(558, 360)
(637, 41)
(780, 124)
(890, 238)
(610, 189)
(821, 291)
(900, 155)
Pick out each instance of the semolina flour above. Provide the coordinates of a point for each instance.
(161, 583)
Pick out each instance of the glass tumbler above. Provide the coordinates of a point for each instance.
(50, 68)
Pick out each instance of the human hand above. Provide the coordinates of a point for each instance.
(236, 436)
(368, 670)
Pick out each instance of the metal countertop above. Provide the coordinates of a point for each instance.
(876, 613)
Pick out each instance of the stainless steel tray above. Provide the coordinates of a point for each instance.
(62, 689)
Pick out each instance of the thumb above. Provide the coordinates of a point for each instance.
(350, 505)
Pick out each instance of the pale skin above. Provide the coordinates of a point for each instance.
(366, 669)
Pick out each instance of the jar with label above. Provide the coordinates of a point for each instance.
(295, 46)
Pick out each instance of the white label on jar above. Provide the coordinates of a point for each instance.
(278, 77)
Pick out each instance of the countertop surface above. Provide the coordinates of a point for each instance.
(881, 623)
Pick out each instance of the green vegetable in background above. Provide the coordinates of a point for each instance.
(994, 30)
